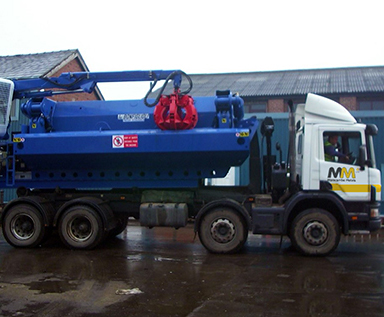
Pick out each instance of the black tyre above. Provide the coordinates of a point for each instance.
(315, 232)
(81, 227)
(222, 230)
(23, 226)
(121, 224)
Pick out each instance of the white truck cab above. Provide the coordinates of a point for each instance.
(351, 173)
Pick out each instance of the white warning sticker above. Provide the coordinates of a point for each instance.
(133, 117)
(125, 141)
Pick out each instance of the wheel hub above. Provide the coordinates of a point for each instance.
(315, 233)
(80, 229)
(23, 227)
(83, 227)
(223, 230)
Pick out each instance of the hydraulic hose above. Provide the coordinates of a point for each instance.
(171, 76)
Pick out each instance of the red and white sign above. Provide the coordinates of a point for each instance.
(125, 141)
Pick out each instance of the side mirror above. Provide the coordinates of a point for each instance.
(278, 148)
(362, 157)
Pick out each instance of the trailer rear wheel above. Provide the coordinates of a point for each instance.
(81, 227)
(315, 232)
(23, 226)
(222, 230)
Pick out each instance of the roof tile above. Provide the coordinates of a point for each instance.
(31, 65)
(292, 82)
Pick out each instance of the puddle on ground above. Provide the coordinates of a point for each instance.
(53, 285)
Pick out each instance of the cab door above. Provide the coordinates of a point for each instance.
(343, 175)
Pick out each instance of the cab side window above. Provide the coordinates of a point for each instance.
(342, 147)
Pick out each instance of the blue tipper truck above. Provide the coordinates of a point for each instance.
(82, 168)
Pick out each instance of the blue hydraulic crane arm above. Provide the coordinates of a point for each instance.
(77, 82)
(86, 82)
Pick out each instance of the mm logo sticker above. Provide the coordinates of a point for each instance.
(341, 173)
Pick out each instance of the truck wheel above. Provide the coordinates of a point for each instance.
(81, 227)
(23, 226)
(315, 232)
(222, 231)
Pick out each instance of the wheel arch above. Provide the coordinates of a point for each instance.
(100, 206)
(326, 201)
(223, 203)
(44, 206)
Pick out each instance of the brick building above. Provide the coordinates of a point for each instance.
(356, 88)
(50, 64)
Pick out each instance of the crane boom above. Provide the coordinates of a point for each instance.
(86, 81)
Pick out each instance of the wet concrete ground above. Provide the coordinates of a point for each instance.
(162, 272)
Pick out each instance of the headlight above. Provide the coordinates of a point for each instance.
(375, 213)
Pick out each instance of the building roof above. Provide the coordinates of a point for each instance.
(352, 80)
(39, 65)
(34, 65)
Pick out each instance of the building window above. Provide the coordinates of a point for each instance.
(255, 106)
(370, 104)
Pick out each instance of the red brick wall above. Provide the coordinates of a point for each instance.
(73, 66)
(350, 103)
(275, 105)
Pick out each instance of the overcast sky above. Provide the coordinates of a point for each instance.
(197, 36)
